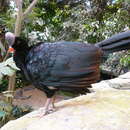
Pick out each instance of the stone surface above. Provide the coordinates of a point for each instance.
(105, 109)
(121, 82)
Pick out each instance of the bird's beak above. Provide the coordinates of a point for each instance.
(11, 50)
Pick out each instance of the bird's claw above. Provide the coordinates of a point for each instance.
(51, 110)
(44, 112)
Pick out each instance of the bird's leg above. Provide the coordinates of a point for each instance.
(46, 106)
(53, 101)
(47, 109)
(50, 108)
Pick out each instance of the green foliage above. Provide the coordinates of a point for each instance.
(9, 112)
(125, 61)
(7, 67)
(51, 21)
(21, 80)
(3, 85)
(4, 5)
(73, 20)
(5, 112)
(117, 63)
(7, 18)
(19, 111)
(92, 28)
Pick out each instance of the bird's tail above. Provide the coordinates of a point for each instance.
(118, 42)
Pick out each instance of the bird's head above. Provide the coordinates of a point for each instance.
(15, 43)
(10, 38)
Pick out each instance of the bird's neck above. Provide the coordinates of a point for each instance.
(20, 60)
(21, 49)
(21, 52)
(21, 55)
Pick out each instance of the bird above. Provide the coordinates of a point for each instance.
(63, 65)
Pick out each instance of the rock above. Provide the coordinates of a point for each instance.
(121, 82)
(105, 109)
(125, 76)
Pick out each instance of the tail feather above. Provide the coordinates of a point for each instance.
(117, 42)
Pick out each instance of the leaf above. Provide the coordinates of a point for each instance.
(7, 71)
(14, 66)
(7, 67)
(11, 63)
(2, 64)
(8, 61)
(2, 114)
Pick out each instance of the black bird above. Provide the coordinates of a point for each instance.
(63, 65)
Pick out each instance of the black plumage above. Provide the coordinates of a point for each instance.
(64, 65)
(61, 65)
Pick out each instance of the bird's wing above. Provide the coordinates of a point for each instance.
(63, 64)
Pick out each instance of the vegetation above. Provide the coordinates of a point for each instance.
(79, 21)
(125, 61)
(10, 112)
(117, 63)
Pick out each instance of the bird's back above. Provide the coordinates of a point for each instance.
(64, 65)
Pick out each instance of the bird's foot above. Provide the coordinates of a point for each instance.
(47, 108)
(49, 111)
(42, 112)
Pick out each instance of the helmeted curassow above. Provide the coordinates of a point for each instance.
(63, 65)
